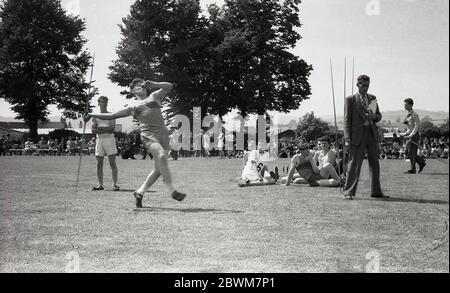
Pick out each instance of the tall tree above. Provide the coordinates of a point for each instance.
(310, 127)
(236, 57)
(265, 75)
(443, 128)
(166, 40)
(42, 60)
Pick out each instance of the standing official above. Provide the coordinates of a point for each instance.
(361, 113)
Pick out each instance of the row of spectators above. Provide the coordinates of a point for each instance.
(430, 147)
(395, 149)
(130, 146)
(45, 146)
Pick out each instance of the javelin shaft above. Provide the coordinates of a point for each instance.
(436, 157)
(353, 76)
(88, 99)
(335, 121)
(345, 77)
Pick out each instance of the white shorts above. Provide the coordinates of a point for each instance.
(250, 174)
(105, 147)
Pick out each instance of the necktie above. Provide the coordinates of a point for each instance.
(366, 110)
(364, 102)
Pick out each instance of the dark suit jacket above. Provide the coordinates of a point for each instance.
(354, 119)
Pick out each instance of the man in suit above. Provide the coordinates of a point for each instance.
(361, 113)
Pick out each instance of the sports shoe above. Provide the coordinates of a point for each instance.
(116, 188)
(97, 188)
(421, 167)
(178, 195)
(410, 172)
(241, 183)
(138, 199)
(348, 197)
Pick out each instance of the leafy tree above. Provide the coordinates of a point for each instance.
(166, 41)
(237, 57)
(42, 61)
(443, 128)
(428, 129)
(425, 124)
(262, 75)
(426, 118)
(310, 127)
(63, 134)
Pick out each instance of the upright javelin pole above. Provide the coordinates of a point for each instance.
(353, 76)
(335, 123)
(345, 77)
(88, 99)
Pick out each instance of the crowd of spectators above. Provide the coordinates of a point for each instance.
(130, 146)
(429, 148)
(288, 147)
(44, 146)
(394, 148)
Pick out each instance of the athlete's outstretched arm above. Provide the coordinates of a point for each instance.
(109, 116)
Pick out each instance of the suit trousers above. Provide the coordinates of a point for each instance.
(356, 158)
(412, 152)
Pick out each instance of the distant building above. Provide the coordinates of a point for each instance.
(13, 134)
(77, 126)
(45, 128)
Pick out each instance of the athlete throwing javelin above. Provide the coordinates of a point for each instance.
(146, 109)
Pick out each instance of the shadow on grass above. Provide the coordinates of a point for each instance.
(441, 174)
(409, 200)
(186, 210)
(132, 190)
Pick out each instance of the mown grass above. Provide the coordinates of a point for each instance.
(219, 227)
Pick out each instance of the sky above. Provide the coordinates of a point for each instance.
(403, 45)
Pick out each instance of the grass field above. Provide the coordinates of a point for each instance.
(219, 227)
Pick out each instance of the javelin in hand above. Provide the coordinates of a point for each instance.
(431, 153)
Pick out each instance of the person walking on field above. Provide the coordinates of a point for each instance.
(412, 136)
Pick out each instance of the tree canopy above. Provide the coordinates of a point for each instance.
(42, 60)
(310, 127)
(234, 57)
